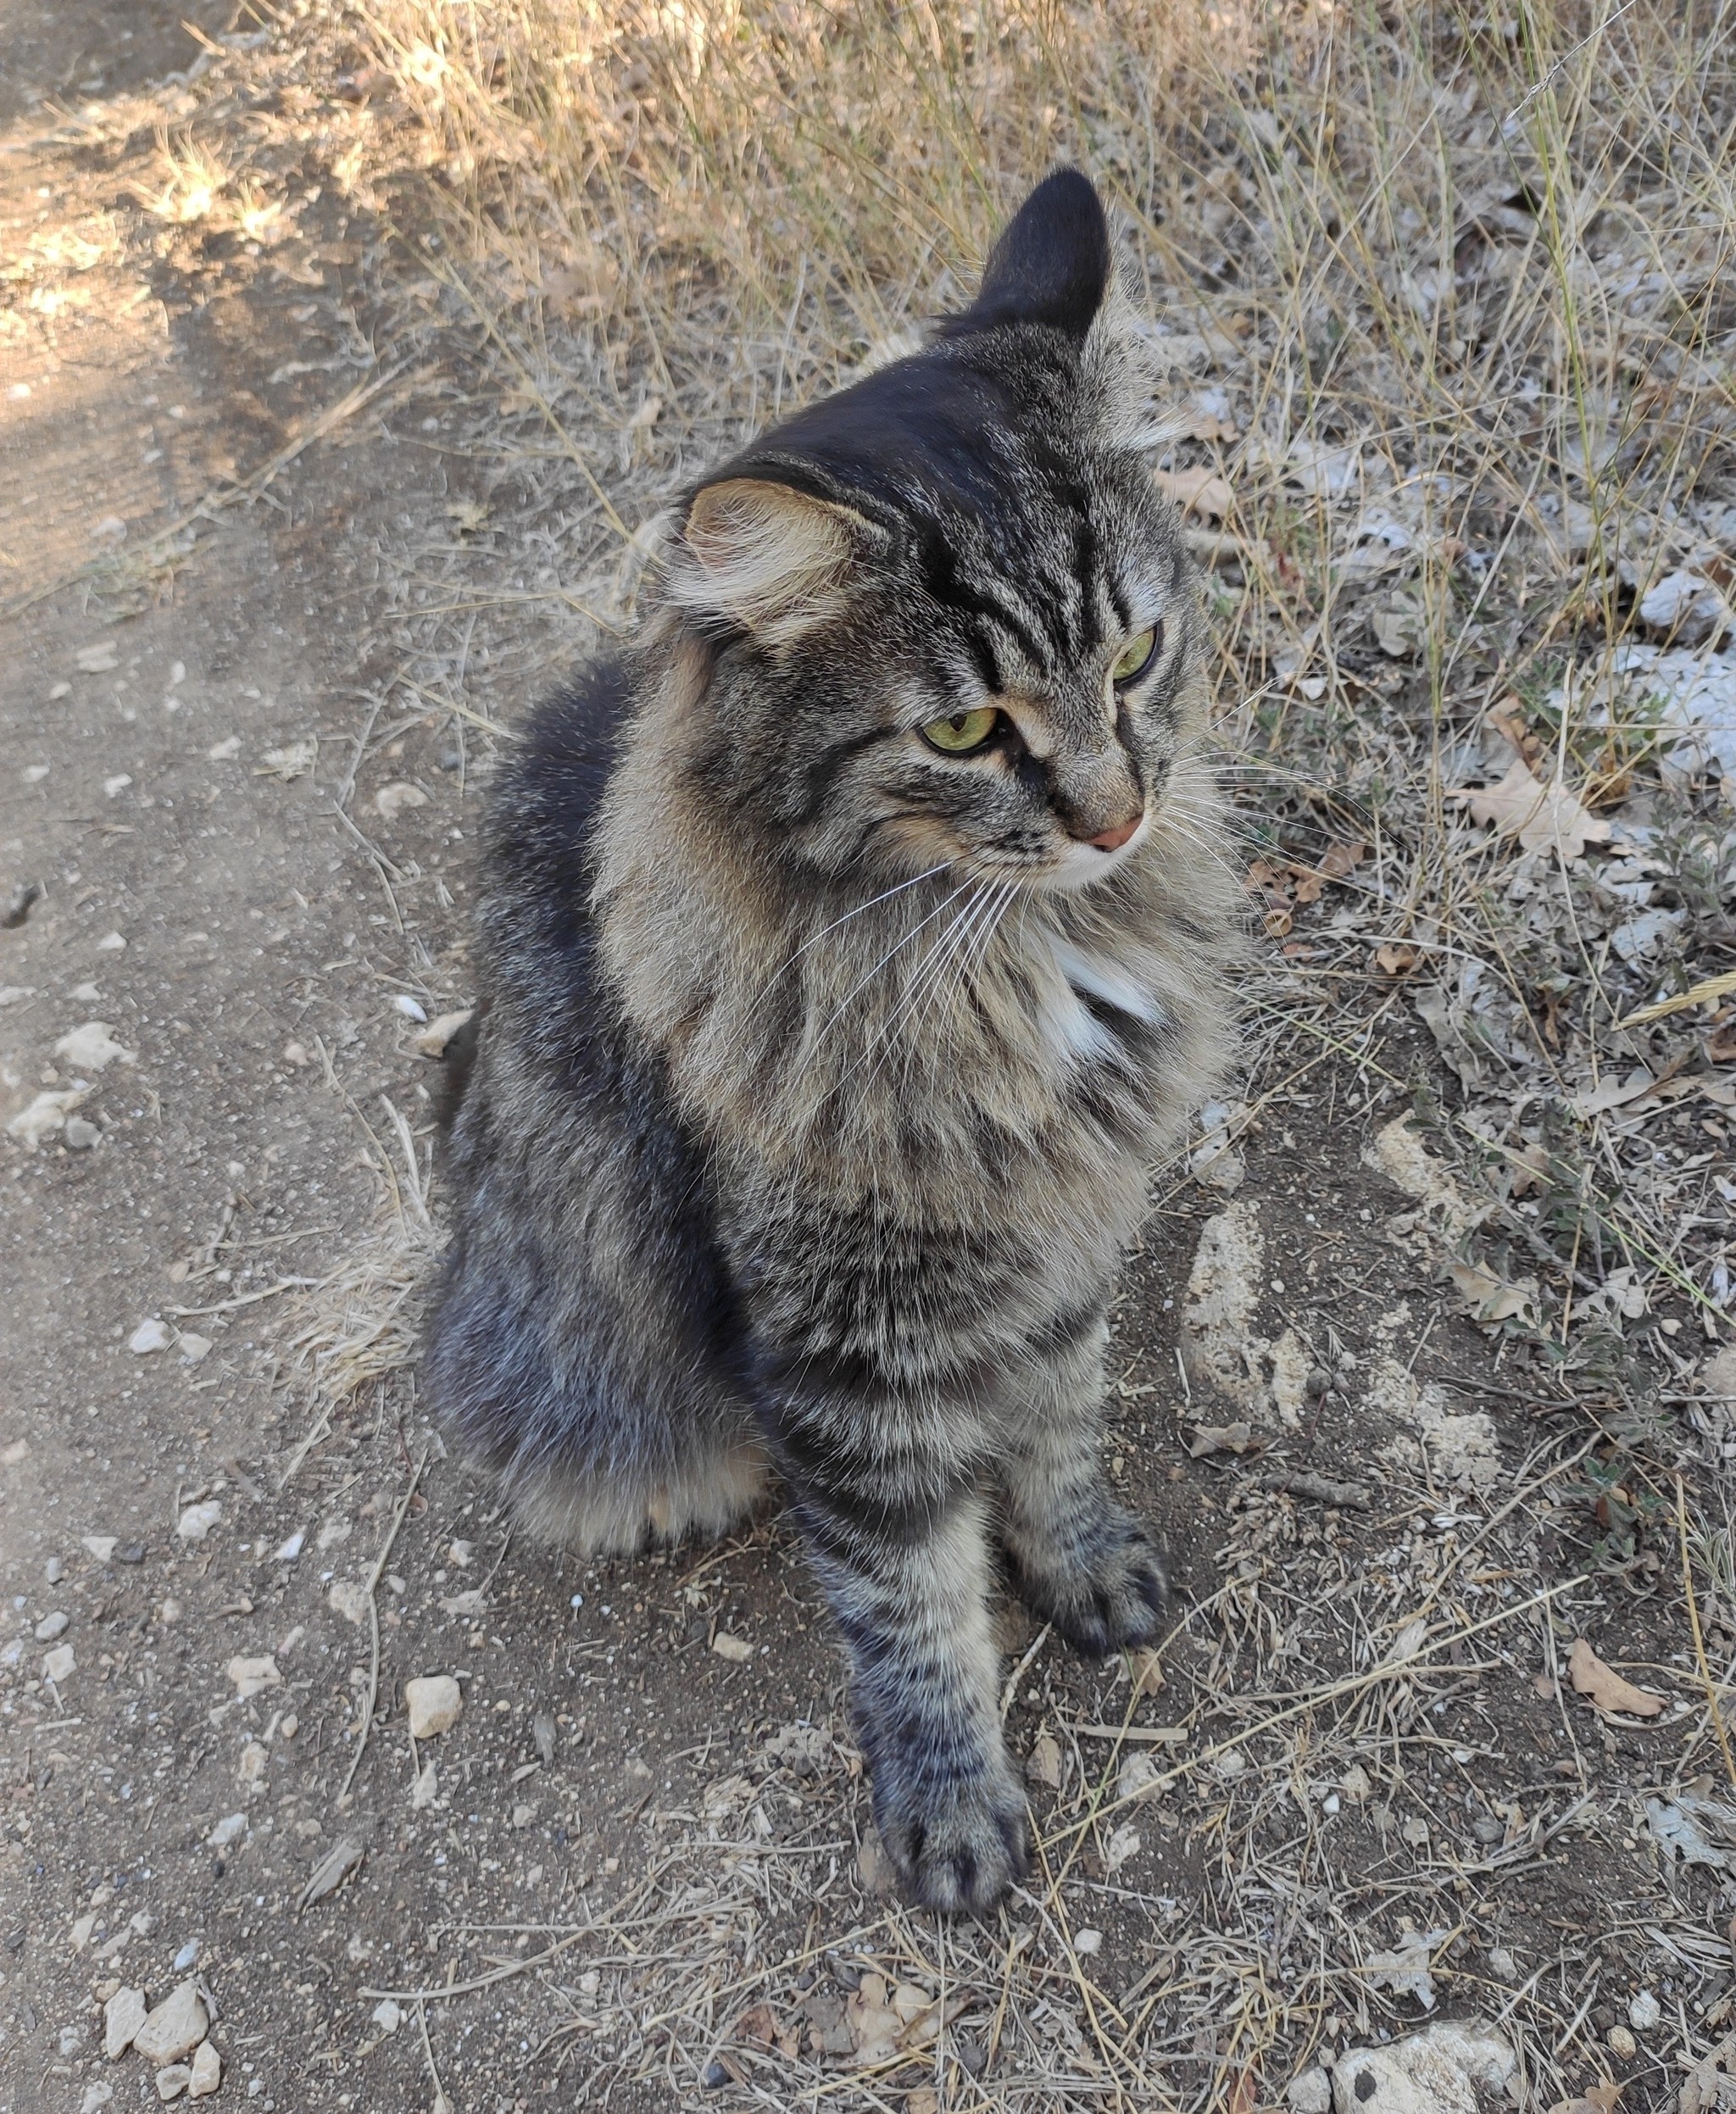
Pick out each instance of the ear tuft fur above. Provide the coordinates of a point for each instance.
(764, 556)
(1051, 264)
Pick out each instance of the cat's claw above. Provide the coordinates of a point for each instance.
(958, 1850)
(1115, 1601)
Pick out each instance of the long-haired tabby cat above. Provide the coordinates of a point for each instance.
(850, 944)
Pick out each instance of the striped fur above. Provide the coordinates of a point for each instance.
(821, 1071)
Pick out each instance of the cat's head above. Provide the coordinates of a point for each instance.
(949, 620)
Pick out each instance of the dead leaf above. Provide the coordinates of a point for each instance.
(1605, 1687)
(881, 2023)
(1600, 2099)
(1543, 817)
(391, 801)
(1712, 2083)
(331, 1871)
(758, 2026)
(294, 761)
(1200, 491)
(1219, 1439)
(1042, 1765)
(1398, 958)
(431, 1040)
(1489, 1297)
(1245, 2091)
(1340, 859)
(1147, 1672)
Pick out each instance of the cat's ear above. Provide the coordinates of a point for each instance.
(1051, 264)
(767, 557)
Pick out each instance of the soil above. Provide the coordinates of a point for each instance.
(680, 1831)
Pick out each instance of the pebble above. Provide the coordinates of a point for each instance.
(149, 1335)
(288, 1551)
(188, 1956)
(53, 1571)
(80, 1136)
(198, 1520)
(387, 2017)
(53, 1625)
(173, 2081)
(175, 2028)
(60, 1662)
(1087, 1942)
(1309, 2093)
(434, 1703)
(1503, 1966)
(252, 1675)
(96, 2097)
(1644, 2013)
(101, 1546)
(207, 2072)
(1623, 2043)
(122, 2016)
(230, 1830)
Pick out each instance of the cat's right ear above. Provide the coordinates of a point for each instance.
(765, 557)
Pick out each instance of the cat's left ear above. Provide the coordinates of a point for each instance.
(763, 555)
(1051, 263)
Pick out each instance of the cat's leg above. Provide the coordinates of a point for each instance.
(1079, 1559)
(909, 1585)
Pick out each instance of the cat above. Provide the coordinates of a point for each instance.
(852, 941)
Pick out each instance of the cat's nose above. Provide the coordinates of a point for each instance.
(1111, 840)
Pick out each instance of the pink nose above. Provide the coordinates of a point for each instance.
(1112, 840)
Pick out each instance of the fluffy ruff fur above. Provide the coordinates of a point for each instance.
(808, 1127)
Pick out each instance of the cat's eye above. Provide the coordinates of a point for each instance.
(1135, 657)
(961, 731)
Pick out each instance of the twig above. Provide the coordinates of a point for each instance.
(1699, 1657)
(372, 1692)
(1019, 1672)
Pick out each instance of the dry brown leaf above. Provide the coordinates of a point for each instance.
(1712, 2083)
(1398, 958)
(1148, 1673)
(1604, 1687)
(1600, 2099)
(1543, 817)
(758, 2026)
(1219, 1439)
(1200, 491)
(1245, 2091)
(1339, 859)
(1042, 1765)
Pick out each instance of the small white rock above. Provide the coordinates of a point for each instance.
(173, 2081)
(349, 1598)
(96, 2097)
(737, 1649)
(251, 1676)
(222, 752)
(43, 1115)
(207, 2072)
(122, 2016)
(53, 1625)
(176, 2027)
(1087, 1942)
(434, 1703)
(1310, 2092)
(111, 944)
(387, 2017)
(191, 1348)
(58, 1664)
(230, 1830)
(115, 787)
(411, 1009)
(1644, 2011)
(287, 1552)
(150, 1335)
(101, 1546)
(390, 801)
(187, 1956)
(82, 1136)
(196, 1522)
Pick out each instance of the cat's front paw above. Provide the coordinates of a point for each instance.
(1113, 1599)
(959, 1847)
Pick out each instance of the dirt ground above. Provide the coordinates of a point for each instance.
(635, 1873)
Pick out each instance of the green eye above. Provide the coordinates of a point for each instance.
(1135, 657)
(963, 732)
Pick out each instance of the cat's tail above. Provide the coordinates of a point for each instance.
(458, 1060)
